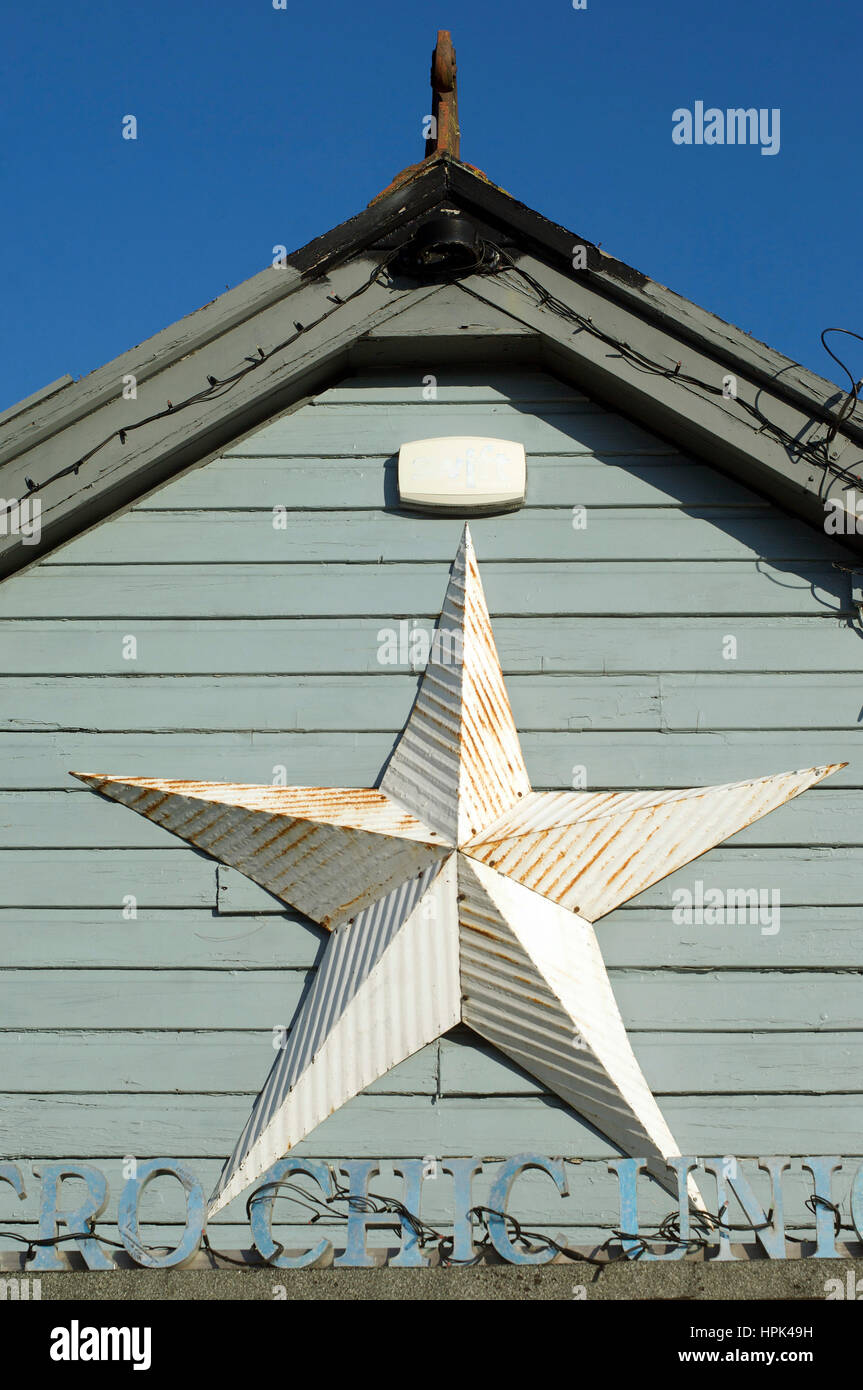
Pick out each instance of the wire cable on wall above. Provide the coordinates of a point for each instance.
(817, 452)
(216, 387)
(704, 1227)
(493, 260)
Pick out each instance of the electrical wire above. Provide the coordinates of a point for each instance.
(814, 452)
(215, 389)
(493, 260)
(851, 399)
(703, 1226)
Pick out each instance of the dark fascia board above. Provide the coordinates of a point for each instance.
(30, 401)
(173, 364)
(61, 428)
(28, 428)
(720, 432)
(119, 475)
(728, 344)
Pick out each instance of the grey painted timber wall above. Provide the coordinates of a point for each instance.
(258, 647)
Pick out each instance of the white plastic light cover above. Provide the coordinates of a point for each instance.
(462, 474)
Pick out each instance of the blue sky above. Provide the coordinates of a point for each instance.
(259, 126)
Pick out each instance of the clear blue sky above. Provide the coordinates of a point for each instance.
(259, 126)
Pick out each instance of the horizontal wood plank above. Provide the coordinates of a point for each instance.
(310, 646)
(672, 1000)
(821, 937)
(579, 480)
(228, 1061)
(388, 386)
(382, 701)
(602, 588)
(606, 761)
(320, 429)
(243, 537)
(375, 1126)
(180, 876)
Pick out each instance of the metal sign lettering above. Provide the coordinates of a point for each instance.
(363, 1215)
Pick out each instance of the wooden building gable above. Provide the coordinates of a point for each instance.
(252, 621)
(226, 588)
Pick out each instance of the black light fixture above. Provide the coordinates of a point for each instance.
(447, 245)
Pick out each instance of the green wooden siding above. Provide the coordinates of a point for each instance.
(257, 647)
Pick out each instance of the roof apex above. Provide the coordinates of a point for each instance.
(84, 424)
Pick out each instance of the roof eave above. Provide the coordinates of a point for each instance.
(58, 427)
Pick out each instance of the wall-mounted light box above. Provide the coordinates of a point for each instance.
(462, 474)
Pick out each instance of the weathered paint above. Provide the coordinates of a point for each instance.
(90, 417)
(79, 1221)
(503, 1214)
(535, 986)
(387, 987)
(748, 1036)
(329, 854)
(397, 975)
(592, 851)
(445, 138)
(262, 1202)
(459, 763)
(500, 1205)
(127, 1214)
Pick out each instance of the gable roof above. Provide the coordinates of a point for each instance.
(350, 299)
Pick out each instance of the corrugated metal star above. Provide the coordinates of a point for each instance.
(454, 894)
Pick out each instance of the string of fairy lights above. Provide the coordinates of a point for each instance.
(619, 1245)
(216, 386)
(813, 451)
(493, 260)
(704, 1226)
